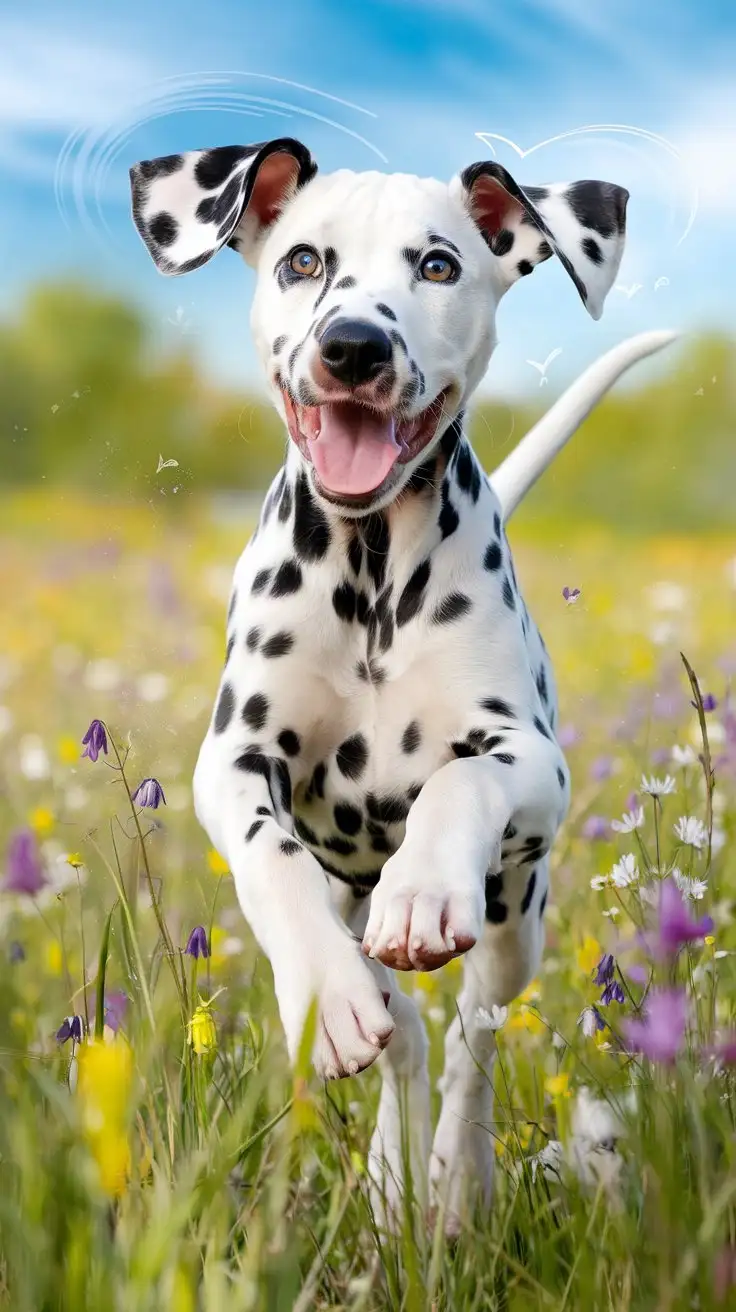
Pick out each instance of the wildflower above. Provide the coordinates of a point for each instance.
(709, 702)
(630, 821)
(599, 881)
(625, 871)
(68, 750)
(571, 595)
(95, 741)
(588, 954)
(216, 863)
(602, 768)
(202, 1034)
(567, 736)
(660, 1033)
(74, 860)
(694, 889)
(658, 787)
(613, 992)
(691, 831)
(104, 1085)
(676, 928)
(612, 913)
(493, 1020)
(595, 828)
(72, 1027)
(149, 793)
(591, 1021)
(683, 756)
(116, 1005)
(197, 945)
(23, 869)
(558, 1086)
(605, 970)
(42, 820)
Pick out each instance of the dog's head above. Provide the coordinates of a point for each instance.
(374, 310)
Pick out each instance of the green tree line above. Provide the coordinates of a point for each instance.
(87, 400)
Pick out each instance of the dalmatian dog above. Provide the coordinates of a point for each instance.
(381, 771)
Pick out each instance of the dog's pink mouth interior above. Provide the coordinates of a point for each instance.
(354, 448)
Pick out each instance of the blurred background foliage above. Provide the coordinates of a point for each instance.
(89, 401)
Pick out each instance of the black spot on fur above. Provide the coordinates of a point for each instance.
(252, 638)
(377, 540)
(278, 344)
(306, 834)
(598, 205)
(362, 608)
(542, 686)
(504, 757)
(524, 268)
(342, 846)
(286, 503)
(508, 595)
(451, 436)
(543, 904)
(230, 645)
(380, 843)
(255, 711)
(233, 604)
(352, 756)
(254, 829)
(311, 529)
(163, 228)
(423, 476)
(261, 580)
(496, 911)
(317, 782)
(389, 810)
(225, 708)
(214, 167)
(541, 728)
(411, 255)
(344, 601)
(397, 339)
(149, 169)
(497, 706)
(449, 518)
(332, 264)
(493, 557)
(263, 810)
(529, 894)
(385, 310)
(345, 283)
(362, 671)
(283, 778)
(279, 645)
(561, 777)
(451, 608)
(385, 619)
(289, 846)
(288, 579)
(411, 599)
(347, 818)
(501, 242)
(411, 737)
(355, 555)
(592, 250)
(289, 742)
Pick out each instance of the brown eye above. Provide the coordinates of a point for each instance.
(438, 268)
(306, 262)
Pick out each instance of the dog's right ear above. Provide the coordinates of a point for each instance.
(187, 207)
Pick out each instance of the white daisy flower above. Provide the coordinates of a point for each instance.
(599, 881)
(683, 756)
(691, 831)
(612, 913)
(658, 787)
(695, 889)
(630, 821)
(493, 1020)
(625, 871)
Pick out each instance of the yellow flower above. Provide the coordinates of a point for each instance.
(202, 1030)
(558, 1086)
(526, 1019)
(54, 957)
(709, 940)
(42, 820)
(68, 749)
(588, 954)
(74, 860)
(217, 865)
(532, 992)
(103, 1088)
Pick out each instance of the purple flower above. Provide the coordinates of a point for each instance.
(571, 595)
(72, 1027)
(709, 702)
(24, 872)
(659, 1034)
(604, 970)
(116, 1004)
(197, 945)
(95, 740)
(16, 952)
(149, 793)
(567, 735)
(602, 768)
(596, 827)
(676, 926)
(613, 992)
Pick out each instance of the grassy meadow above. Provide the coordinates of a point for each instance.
(158, 1154)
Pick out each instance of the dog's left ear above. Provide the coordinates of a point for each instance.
(187, 207)
(583, 223)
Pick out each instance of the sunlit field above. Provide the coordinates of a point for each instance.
(156, 1152)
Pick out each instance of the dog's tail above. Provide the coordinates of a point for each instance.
(521, 469)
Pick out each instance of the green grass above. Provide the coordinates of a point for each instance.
(223, 1180)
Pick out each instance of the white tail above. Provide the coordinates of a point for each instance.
(521, 469)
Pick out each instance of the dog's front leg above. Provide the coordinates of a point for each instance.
(245, 807)
(474, 818)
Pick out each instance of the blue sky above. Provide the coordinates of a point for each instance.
(86, 90)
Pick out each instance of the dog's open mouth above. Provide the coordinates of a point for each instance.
(353, 447)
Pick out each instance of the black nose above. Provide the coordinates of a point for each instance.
(354, 350)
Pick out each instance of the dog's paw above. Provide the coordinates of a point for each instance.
(354, 1023)
(416, 923)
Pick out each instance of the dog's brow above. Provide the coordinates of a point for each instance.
(437, 239)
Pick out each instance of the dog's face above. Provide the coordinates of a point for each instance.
(376, 294)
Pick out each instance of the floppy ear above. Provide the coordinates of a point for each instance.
(583, 223)
(187, 207)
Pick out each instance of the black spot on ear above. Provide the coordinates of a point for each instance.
(352, 756)
(529, 894)
(544, 250)
(164, 229)
(288, 579)
(261, 580)
(254, 829)
(290, 847)
(289, 742)
(451, 608)
(345, 283)
(279, 645)
(385, 310)
(215, 166)
(592, 250)
(148, 169)
(348, 818)
(598, 205)
(411, 738)
(225, 708)
(411, 599)
(215, 209)
(501, 242)
(311, 529)
(524, 268)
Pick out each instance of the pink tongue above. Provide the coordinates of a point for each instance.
(355, 449)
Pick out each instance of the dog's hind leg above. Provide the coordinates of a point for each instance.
(497, 970)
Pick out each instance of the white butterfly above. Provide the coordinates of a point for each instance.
(545, 364)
